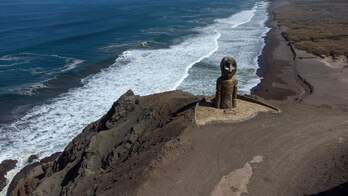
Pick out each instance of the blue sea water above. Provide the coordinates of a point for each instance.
(63, 62)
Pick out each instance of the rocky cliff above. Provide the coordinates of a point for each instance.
(5, 166)
(112, 154)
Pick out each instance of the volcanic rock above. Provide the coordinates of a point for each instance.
(5, 166)
(112, 154)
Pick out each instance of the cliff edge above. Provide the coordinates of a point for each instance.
(111, 154)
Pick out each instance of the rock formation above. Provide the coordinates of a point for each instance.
(5, 166)
(32, 158)
(111, 155)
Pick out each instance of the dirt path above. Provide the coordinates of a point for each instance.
(303, 152)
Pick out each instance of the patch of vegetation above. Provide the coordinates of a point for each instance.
(319, 27)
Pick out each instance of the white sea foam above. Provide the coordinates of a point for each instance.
(10, 61)
(32, 89)
(113, 47)
(68, 63)
(71, 64)
(21, 60)
(241, 37)
(48, 128)
(9, 58)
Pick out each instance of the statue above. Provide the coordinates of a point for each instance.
(226, 85)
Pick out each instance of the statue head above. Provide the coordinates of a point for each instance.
(228, 67)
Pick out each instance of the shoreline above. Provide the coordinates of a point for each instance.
(305, 144)
(266, 37)
(272, 81)
(296, 76)
(45, 95)
(30, 154)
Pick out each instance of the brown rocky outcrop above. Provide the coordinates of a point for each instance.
(5, 166)
(32, 158)
(112, 154)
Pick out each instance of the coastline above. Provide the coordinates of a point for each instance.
(52, 89)
(294, 75)
(309, 147)
(72, 108)
(276, 59)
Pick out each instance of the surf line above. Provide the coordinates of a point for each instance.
(216, 40)
(177, 84)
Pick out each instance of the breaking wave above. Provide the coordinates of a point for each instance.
(48, 128)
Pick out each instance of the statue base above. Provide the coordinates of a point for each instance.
(245, 110)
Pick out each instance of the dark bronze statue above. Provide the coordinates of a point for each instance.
(226, 85)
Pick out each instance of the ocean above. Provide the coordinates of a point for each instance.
(63, 63)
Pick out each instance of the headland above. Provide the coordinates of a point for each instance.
(152, 145)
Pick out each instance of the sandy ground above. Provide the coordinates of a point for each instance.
(303, 152)
(245, 110)
(329, 80)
